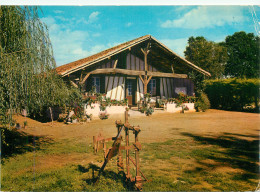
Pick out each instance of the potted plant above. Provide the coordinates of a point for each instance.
(184, 108)
(149, 111)
(74, 118)
(102, 107)
(89, 117)
(103, 115)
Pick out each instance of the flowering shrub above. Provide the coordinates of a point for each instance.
(182, 98)
(104, 102)
(73, 117)
(146, 108)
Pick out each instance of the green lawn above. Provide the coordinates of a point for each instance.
(194, 162)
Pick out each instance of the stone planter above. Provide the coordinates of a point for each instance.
(94, 109)
(74, 121)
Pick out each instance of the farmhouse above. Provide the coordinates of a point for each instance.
(129, 70)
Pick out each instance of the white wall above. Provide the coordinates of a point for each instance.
(115, 87)
(95, 110)
(140, 90)
(169, 87)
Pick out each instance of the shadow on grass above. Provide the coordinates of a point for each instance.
(18, 142)
(107, 174)
(238, 153)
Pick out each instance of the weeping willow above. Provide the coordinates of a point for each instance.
(27, 76)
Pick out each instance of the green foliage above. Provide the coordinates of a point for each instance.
(102, 106)
(202, 103)
(103, 115)
(146, 108)
(182, 98)
(149, 111)
(243, 51)
(27, 77)
(233, 94)
(198, 80)
(208, 55)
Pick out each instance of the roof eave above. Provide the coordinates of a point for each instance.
(183, 59)
(144, 38)
(67, 72)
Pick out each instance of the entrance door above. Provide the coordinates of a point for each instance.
(130, 91)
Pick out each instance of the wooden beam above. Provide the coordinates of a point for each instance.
(74, 84)
(81, 75)
(84, 79)
(115, 64)
(142, 50)
(149, 79)
(159, 74)
(121, 71)
(172, 69)
(141, 78)
(145, 52)
(137, 73)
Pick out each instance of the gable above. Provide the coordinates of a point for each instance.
(160, 57)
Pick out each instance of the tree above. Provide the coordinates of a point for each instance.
(27, 76)
(243, 55)
(208, 55)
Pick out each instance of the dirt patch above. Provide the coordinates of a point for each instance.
(220, 167)
(158, 127)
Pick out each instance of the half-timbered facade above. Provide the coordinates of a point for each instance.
(129, 70)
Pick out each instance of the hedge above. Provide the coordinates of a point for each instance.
(233, 93)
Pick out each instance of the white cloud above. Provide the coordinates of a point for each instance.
(176, 45)
(62, 18)
(58, 11)
(70, 44)
(67, 43)
(96, 34)
(48, 20)
(205, 16)
(128, 24)
(93, 17)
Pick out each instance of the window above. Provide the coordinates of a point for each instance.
(96, 84)
(151, 88)
(129, 88)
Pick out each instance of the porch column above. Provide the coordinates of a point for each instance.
(145, 80)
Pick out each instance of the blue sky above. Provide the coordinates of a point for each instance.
(80, 31)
